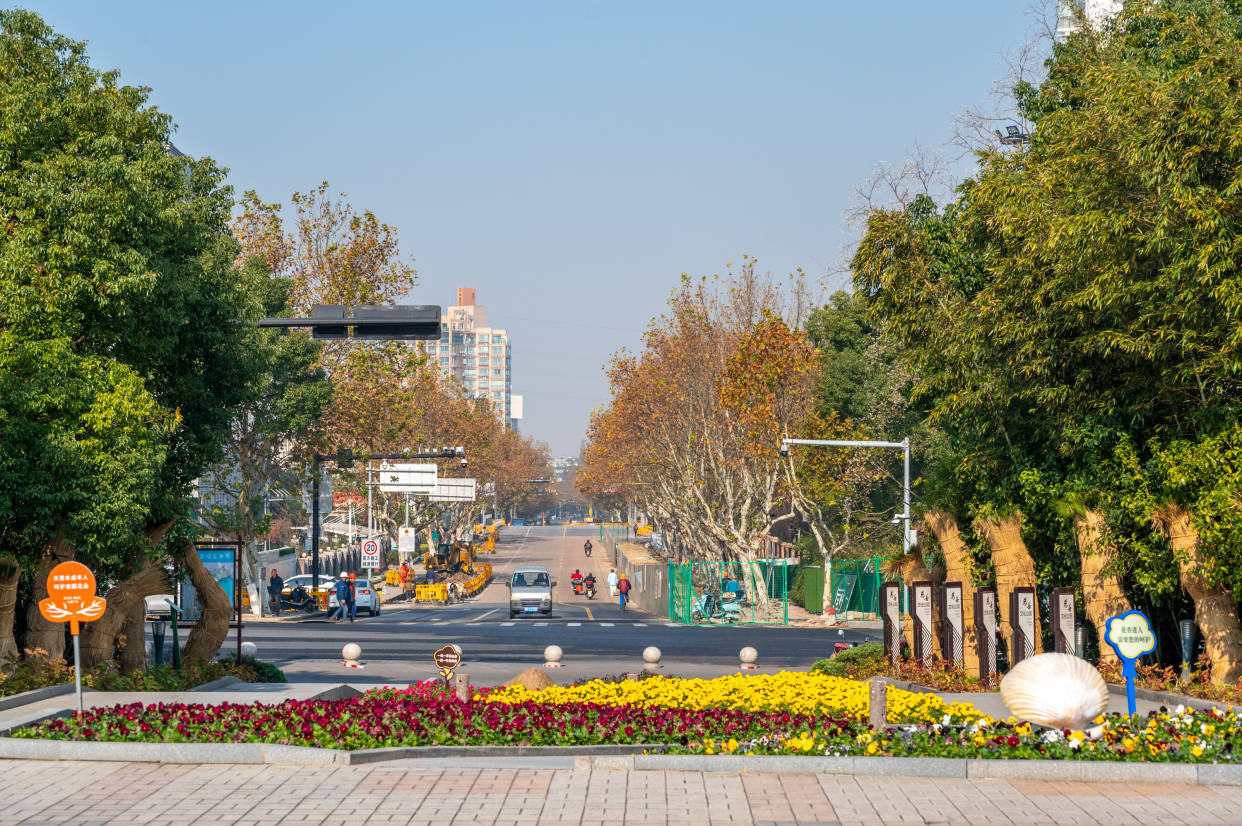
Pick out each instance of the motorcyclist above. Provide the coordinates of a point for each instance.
(588, 584)
(575, 576)
(586, 547)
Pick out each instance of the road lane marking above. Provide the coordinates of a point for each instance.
(606, 625)
(640, 625)
(575, 625)
(541, 625)
(488, 614)
(590, 616)
(507, 624)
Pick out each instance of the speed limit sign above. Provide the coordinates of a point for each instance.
(370, 554)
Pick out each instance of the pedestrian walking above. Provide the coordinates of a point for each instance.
(623, 588)
(612, 582)
(274, 586)
(342, 597)
(351, 597)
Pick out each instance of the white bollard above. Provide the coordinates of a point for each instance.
(651, 658)
(552, 656)
(249, 649)
(747, 657)
(351, 654)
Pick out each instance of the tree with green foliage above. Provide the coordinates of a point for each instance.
(119, 312)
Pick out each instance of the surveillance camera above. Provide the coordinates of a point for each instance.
(784, 450)
(463, 461)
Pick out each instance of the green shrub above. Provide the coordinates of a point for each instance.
(859, 662)
(796, 596)
(37, 670)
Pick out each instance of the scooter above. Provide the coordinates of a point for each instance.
(578, 587)
(298, 600)
(587, 549)
(590, 590)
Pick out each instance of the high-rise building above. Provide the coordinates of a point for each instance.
(1096, 12)
(476, 355)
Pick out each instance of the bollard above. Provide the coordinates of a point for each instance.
(461, 686)
(651, 658)
(1188, 648)
(350, 655)
(552, 656)
(877, 697)
(747, 657)
(250, 650)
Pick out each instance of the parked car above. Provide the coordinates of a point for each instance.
(367, 598)
(157, 607)
(325, 581)
(530, 591)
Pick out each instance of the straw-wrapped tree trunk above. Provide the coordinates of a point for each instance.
(1102, 596)
(943, 524)
(10, 575)
(1216, 612)
(213, 627)
(41, 634)
(1014, 568)
(99, 638)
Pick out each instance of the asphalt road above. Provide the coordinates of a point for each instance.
(597, 637)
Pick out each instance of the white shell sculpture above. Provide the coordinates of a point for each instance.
(1057, 690)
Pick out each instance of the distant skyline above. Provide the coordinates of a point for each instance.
(567, 160)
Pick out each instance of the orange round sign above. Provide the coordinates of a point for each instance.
(71, 596)
(71, 579)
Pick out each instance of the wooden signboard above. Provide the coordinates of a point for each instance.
(1022, 620)
(1063, 619)
(921, 612)
(985, 631)
(951, 621)
(446, 659)
(890, 607)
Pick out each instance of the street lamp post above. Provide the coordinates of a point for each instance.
(908, 536)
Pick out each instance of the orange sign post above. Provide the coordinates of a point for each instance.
(71, 598)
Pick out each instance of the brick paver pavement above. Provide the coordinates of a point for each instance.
(36, 792)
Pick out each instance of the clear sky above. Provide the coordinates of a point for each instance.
(569, 160)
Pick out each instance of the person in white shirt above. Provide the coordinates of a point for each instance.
(612, 582)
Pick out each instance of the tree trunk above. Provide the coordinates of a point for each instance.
(99, 638)
(212, 629)
(1014, 569)
(132, 641)
(41, 634)
(911, 568)
(1102, 596)
(957, 569)
(10, 575)
(1216, 613)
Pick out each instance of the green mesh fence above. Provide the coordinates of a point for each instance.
(723, 593)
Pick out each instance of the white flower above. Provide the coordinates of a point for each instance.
(948, 718)
(1073, 744)
(1051, 736)
(1179, 709)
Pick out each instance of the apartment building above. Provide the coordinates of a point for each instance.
(476, 355)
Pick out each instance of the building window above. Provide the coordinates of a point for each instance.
(444, 361)
(498, 396)
(483, 339)
(498, 351)
(498, 372)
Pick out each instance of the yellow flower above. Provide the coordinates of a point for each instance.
(732, 744)
(1197, 751)
(872, 748)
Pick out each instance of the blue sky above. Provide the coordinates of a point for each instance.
(568, 160)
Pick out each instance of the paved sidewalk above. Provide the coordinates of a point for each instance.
(38, 792)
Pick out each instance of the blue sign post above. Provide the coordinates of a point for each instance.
(1131, 636)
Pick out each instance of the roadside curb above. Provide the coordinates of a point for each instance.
(1169, 699)
(631, 758)
(34, 696)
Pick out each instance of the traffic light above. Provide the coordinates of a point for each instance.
(328, 312)
(409, 322)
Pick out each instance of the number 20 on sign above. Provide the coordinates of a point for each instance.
(71, 598)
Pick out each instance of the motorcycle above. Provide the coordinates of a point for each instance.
(578, 587)
(587, 549)
(590, 590)
(298, 600)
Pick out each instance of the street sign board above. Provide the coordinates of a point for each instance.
(370, 554)
(418, 479)
(453, 490)
(446, 659)
(71, 596)
(921, 597)
(407, 540)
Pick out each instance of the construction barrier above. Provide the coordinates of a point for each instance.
(436, 593)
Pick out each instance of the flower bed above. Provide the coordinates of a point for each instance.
(424, 714)
(38, 670)
(797, 692)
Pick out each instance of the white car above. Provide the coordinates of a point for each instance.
(325, 581)
(367, 598)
